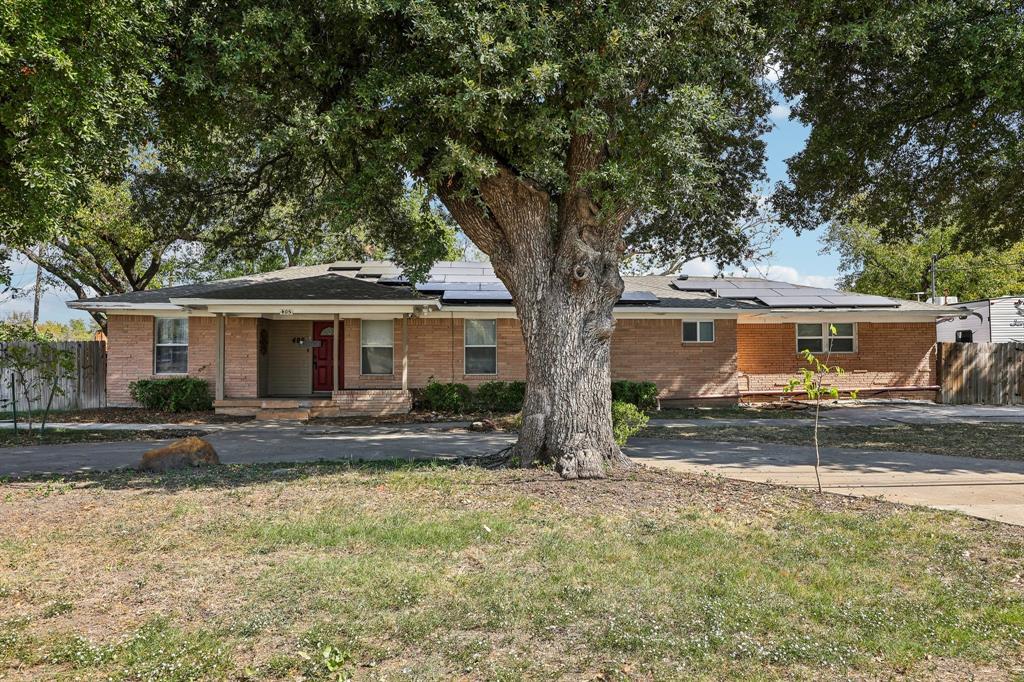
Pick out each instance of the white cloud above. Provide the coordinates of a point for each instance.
(781, 273)
(785, 273)
(780, 112)
(699, 268)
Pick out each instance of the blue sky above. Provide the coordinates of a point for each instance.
(796, 258)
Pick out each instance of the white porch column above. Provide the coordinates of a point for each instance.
(334, 352)
(219, 390)
(405, 352)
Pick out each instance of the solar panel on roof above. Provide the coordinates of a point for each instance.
(761, 284)
(856, 300)
(748, 293)
(638, 297)
(689, 285)
(476, 297)
(795, 302)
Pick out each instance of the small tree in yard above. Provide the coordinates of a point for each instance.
(812, 382)
(36, 365)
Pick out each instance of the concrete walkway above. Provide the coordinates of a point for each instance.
(989, 489)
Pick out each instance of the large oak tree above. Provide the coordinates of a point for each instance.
(552, 133)
(544, 129)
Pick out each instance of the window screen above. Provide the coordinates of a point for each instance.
(170, 347)
(377, 346)
(481, 345)
(702, 331)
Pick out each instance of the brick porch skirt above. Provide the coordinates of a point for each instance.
(348, 403)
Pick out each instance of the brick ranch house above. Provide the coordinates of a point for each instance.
(354, 338)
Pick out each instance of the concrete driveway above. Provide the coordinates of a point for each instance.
(989, 489)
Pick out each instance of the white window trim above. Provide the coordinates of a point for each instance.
(157, 344)
(682, 331)
(466, 346)
(826, 338)
(362, 345)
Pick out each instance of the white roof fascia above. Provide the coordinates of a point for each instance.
(620, 313)
(842, 315)
(210, 302)
(116, 308)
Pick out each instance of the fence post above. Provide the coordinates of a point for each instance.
(14, 405)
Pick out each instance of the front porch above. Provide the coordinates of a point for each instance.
(344, 403)
(312, 366)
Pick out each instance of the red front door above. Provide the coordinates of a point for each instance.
(323, 356)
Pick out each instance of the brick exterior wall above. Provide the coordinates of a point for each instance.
(130, 354)
(642, 350)
(652, 350)
(742, 357)
(435, 350)
(888, 354)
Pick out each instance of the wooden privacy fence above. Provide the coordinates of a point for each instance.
(981, 373)
(84, 386)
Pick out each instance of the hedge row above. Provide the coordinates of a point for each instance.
(507, 396)
(177, 394)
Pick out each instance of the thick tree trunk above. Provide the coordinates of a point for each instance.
(567, 331)
(559, 257)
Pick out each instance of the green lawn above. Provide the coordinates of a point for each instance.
(260, 572)
(987, 441)
(55, 436)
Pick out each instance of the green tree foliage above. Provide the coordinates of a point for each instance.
(73, 330)
(441, 96)
(915, 108)
(901, 267)
(77, 81)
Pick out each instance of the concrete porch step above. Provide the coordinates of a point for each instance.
(352, 402)
(298, 414)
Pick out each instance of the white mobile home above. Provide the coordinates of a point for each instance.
(994, 320)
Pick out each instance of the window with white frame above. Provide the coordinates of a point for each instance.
(170, 345)
(838, 337)
(481, 343)
(699, 331)
(377, 346)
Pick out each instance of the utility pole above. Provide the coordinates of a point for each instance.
(935, 260)
(35, 303)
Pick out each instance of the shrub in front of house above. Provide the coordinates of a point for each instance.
(500, 396)
(444, 397)
(627, 421)
(642, 394)
(175, 394)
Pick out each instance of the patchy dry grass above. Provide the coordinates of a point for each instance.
(986, 441)
(258, 572)
(759, 411)
(57, 436)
